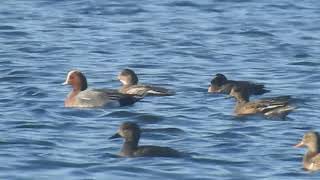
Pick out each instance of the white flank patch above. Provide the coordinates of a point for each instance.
(154, 92)
(272, 107)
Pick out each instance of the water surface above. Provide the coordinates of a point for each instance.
(176, 44)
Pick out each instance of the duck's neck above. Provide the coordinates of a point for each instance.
(75, 90)
(242, 100)
(125, 88)
(312, 151)
(128, 83)
(79, 87)
(129, 147)
(69, 102)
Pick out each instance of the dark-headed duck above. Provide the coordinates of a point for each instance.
(130, 132)
(220, 84)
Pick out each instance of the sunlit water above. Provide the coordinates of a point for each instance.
(175, 44)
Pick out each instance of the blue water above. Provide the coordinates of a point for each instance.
(176, 44)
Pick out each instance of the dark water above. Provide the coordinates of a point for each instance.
(177, 44)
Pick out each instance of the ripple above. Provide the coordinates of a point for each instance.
(4, 27)
(221, 162)
(183, 4)
(13, 34)
(14, 79)
(164, 130)
(122, 114)
(34, 126)
(48, 164)
(6, 62)
(77, 113)
(305, 63)
(31, 92)
(255, 33)
(177, 44)
(302, 55)
(39, 111)
(18, 72)
(148, 118)
(114, 11)
(32, 143)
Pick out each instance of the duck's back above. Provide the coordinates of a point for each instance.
(103, 97)
(253, 88)
(156, 151)
(92, 98)
(272, 107)
(140, 89)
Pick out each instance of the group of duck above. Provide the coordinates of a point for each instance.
(131, 92)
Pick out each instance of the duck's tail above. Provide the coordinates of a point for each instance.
(259, 89)
(280, 112)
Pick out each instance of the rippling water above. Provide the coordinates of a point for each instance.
(177, 44)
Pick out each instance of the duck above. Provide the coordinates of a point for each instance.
(311, 160)
(273, 107)
(129, 80)
(130, 132)
(220, 84)
(82, 97)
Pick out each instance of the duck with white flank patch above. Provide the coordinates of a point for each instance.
(275, 107)
(130, 85)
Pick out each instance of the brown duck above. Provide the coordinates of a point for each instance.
(269, 107)
(311, 160)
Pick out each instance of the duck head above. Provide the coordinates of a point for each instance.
(130, 131)
(128, 77)
(311, 141)
(219, 80)
(77, 80)
(239, 93)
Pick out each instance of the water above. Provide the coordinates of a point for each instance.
(176, 44)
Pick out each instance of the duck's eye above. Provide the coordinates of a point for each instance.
(125, 129)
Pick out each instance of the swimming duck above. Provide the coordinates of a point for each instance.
(130, 131)
(130, 85)
(269, 107)
(220, 84)
(311, 160)
(82, 97)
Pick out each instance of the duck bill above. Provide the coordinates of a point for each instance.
(65, 83)
(300, 144)
(117, 135)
